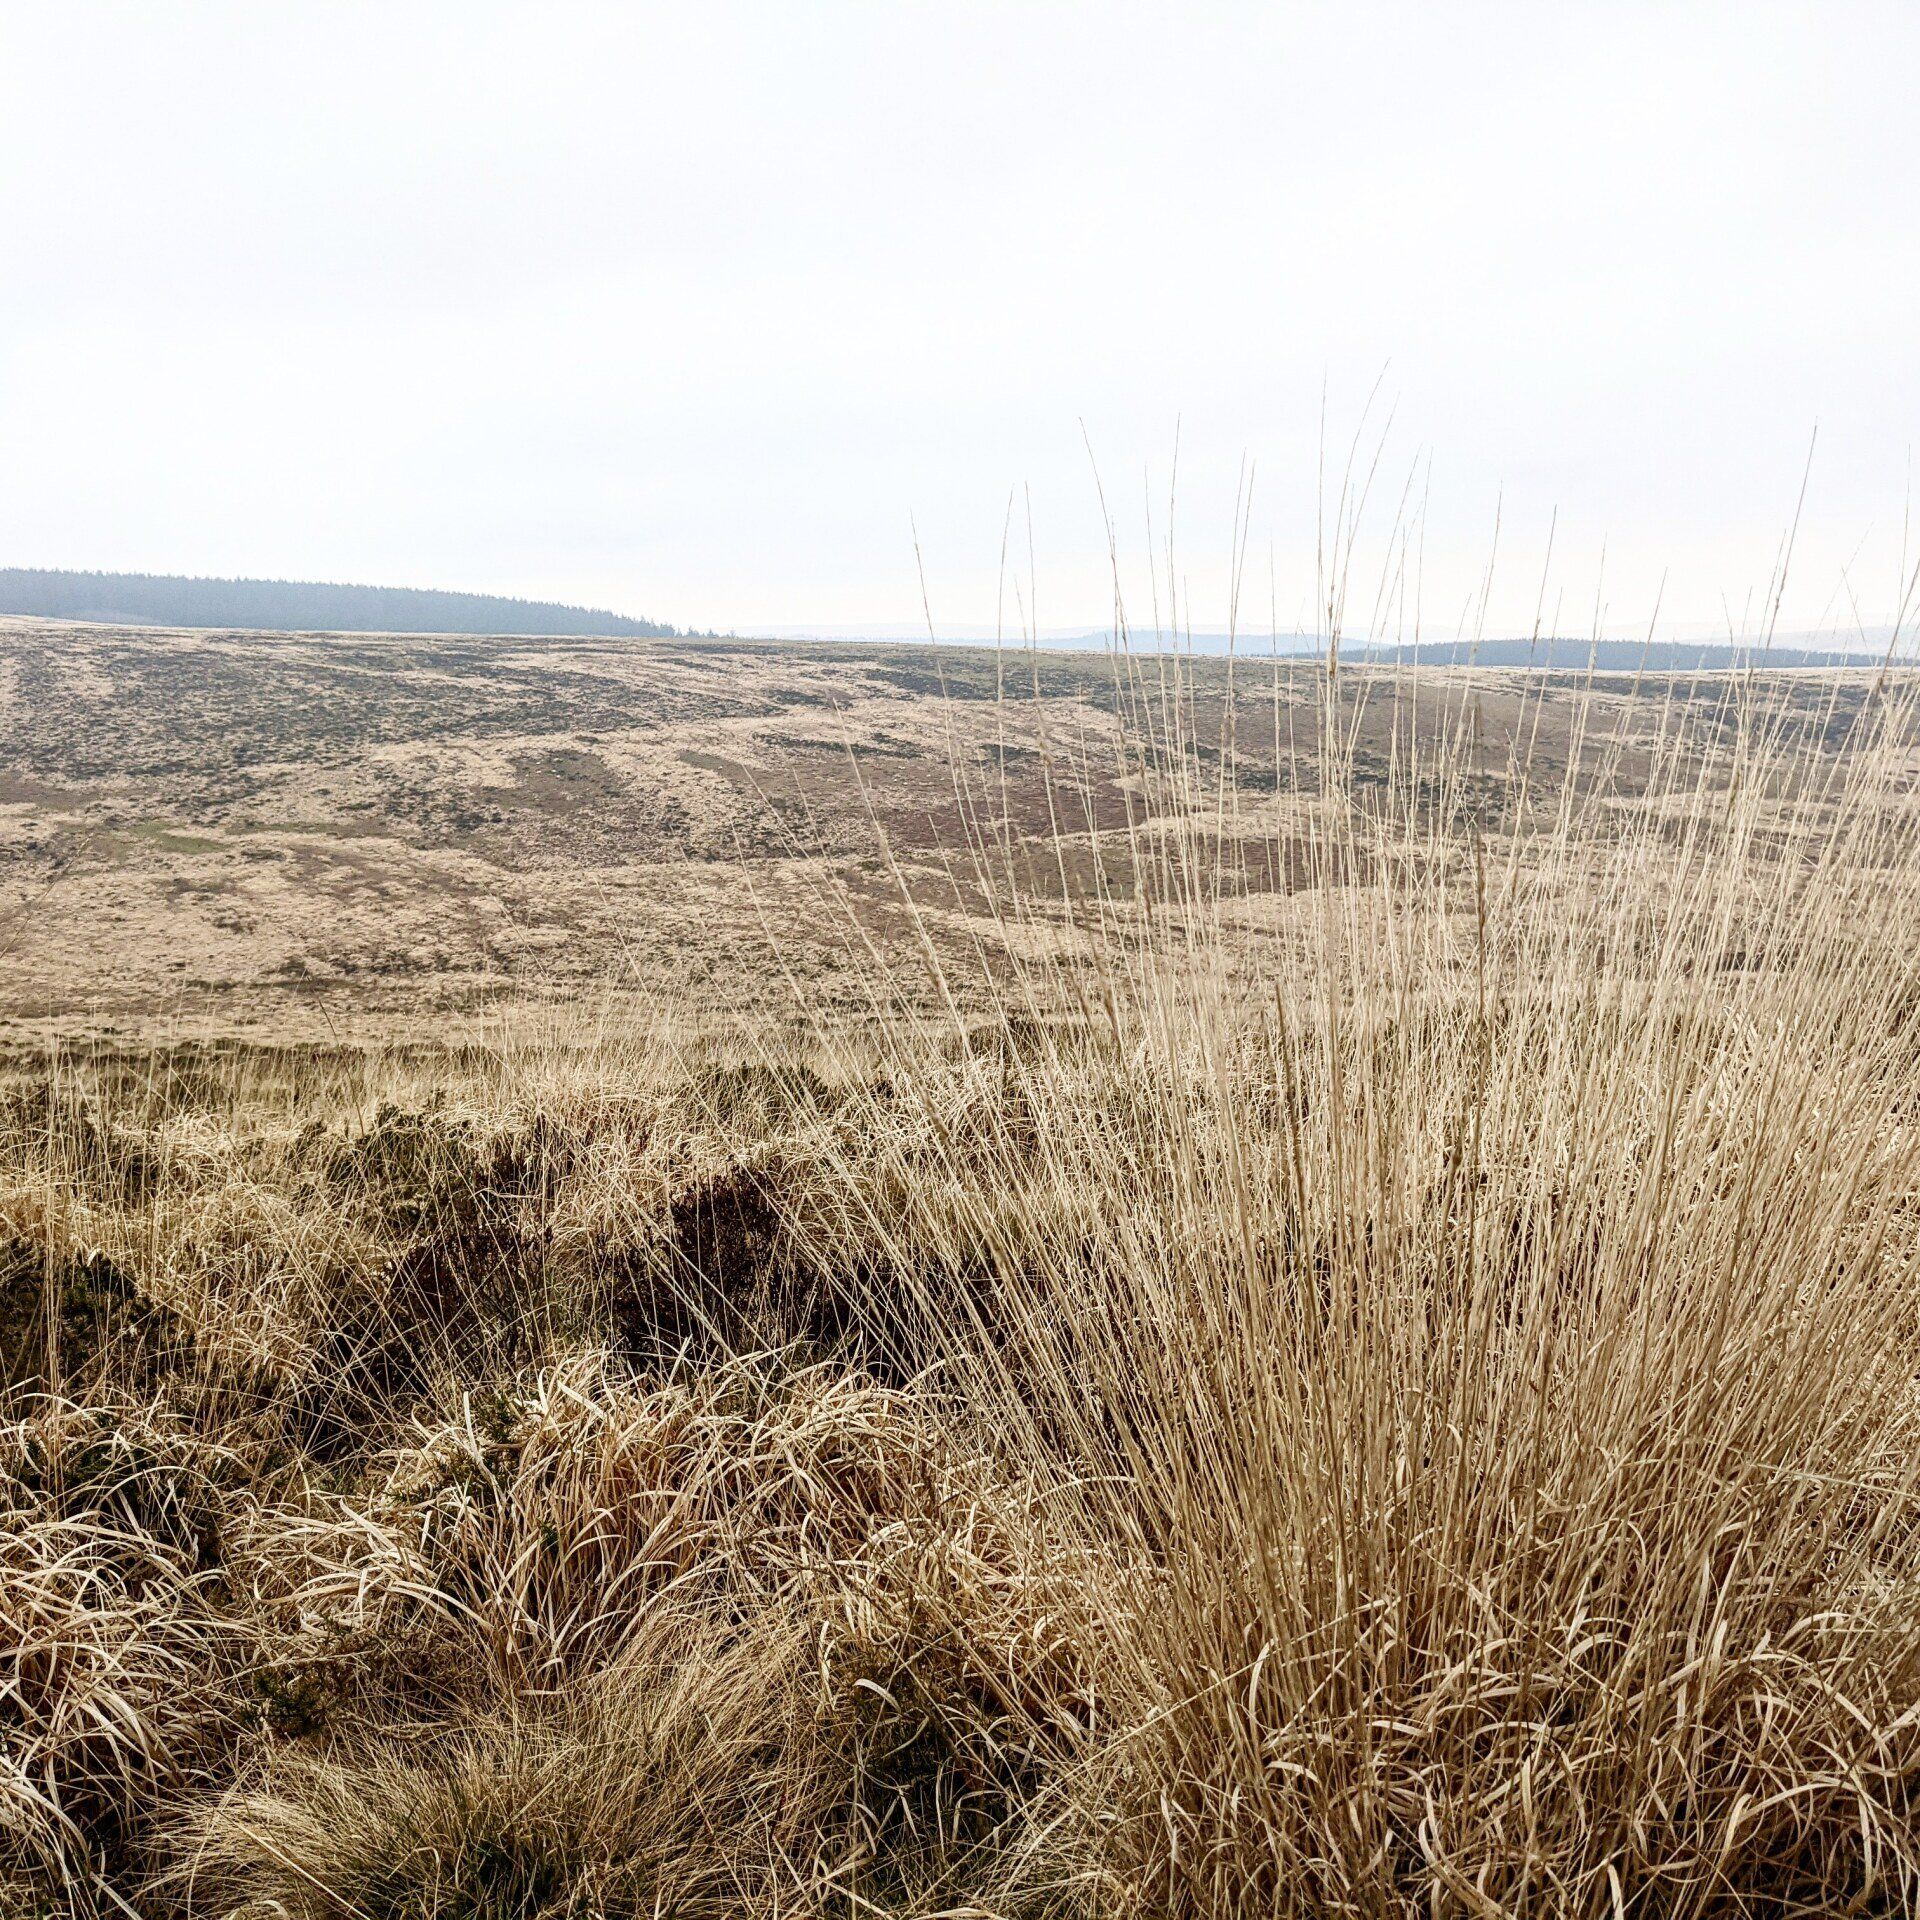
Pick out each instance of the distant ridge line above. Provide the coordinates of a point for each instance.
(1604, 656)
(1558, 654)
(297, 606)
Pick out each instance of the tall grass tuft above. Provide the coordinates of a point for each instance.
(1473, 1301)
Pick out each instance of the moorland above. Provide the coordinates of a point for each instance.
(712, 1278)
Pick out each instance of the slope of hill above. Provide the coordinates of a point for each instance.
(287, 834)
(293, 606)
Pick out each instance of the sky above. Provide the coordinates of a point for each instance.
(783, 317)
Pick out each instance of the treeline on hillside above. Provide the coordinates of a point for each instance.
(295, 606)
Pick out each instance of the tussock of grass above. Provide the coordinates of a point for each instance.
(110, 1623)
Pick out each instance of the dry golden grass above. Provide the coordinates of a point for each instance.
(1389, 1393)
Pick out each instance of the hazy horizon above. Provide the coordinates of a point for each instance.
(244, 605)
(700, 318)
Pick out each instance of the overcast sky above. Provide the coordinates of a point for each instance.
(695, 310)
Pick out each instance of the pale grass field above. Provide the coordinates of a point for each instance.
(1155, 1393)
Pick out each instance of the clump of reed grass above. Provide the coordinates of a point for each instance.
(1481, 1299)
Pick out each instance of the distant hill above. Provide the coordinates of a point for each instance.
(1604, 656)
(1552, 655)
(294, 606)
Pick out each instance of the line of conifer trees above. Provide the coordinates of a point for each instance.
(287, 606)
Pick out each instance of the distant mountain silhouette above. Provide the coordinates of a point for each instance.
(294, 606)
